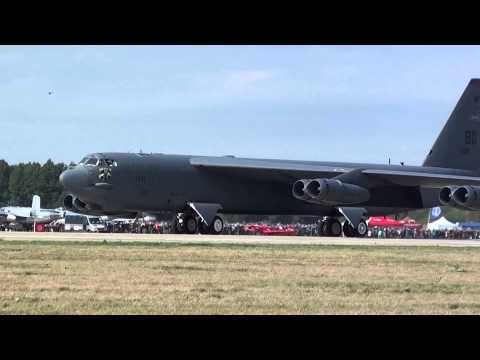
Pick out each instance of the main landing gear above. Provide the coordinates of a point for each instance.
(190, 223)
(333, 227)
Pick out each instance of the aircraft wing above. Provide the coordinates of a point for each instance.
(426, 179)
(268, 169)
(286, 170)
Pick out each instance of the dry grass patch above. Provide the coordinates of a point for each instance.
(114, 278)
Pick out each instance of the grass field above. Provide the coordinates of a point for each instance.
(114, 278)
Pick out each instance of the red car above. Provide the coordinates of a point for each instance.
(263, 229)
(256, 229)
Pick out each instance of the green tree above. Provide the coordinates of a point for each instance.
(15, 184)
(26, 180)
(49, 187)
(4, 177)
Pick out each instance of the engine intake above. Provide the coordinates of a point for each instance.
(332, 191)
(468, 197)
(298, 190)
(446, 196)
(464, 197)
(80, 205)
(74, 204)
(68, 203)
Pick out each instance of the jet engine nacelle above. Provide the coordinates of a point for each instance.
(298, 189)
(446, 196)
(74, 204)
(11, 217)
(68, 203)
(330, 191)
(467, 197)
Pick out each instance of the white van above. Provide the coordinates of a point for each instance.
(74, 222)
(84, 223)
(94, 224)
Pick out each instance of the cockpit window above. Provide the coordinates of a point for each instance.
(95, 161)
(92, 161)
(111, 162)
(108, 162)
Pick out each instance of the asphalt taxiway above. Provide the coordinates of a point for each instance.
(231, 239)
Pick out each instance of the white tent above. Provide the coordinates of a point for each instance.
(442, 224)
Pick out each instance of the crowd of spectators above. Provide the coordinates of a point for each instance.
(406, 233)
(307, 229)
(313, 229)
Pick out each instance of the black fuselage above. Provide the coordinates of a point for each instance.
(158, 182)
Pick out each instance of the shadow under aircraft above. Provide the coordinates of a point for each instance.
(199, 189)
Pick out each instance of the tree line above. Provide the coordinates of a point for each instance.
(19, 182)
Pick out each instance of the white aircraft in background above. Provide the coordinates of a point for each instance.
(30, 215)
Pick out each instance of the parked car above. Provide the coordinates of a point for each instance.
(263, 229)
(94, 224)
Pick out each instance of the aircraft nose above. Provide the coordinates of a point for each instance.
(72, 179)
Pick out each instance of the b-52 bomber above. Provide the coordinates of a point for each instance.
(201, 188)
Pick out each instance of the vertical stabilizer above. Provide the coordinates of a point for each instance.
(458, 145)
(35, 205)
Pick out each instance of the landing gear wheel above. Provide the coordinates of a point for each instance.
(178, 225)
(324, 229)
(348, 229)
(216, 226)
(335, 227)
(190, 224)
(331, 227)
(362, 229)
(204, 228)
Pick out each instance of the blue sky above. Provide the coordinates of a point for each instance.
(344, 103)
